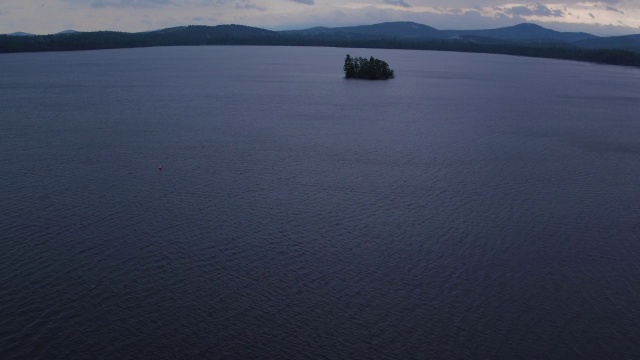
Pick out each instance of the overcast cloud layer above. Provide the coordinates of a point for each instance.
(604, 17)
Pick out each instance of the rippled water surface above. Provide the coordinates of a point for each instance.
(477, 206)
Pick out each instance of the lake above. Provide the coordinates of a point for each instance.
(474, 207)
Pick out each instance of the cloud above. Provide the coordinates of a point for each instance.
(401, 3)
(306, 2)
(610, 8)
(250, 6)
(101, 4)
(146, 4)
(129, 15)
(533, 10)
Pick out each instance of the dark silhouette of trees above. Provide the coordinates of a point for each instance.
(243, 35)
(363, 68)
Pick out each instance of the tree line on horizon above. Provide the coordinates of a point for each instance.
(238, 35)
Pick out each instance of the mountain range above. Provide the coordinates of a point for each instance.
(522, 40)
(20, 33)
(526, 34)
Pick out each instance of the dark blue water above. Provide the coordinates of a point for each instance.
(477, 206)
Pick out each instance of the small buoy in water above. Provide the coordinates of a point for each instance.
(160, 167)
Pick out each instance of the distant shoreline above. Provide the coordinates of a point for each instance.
(244, 35)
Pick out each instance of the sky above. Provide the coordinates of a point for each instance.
(604, 17)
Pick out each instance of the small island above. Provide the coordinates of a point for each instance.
(363, 68)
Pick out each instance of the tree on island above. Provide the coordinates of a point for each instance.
(363, 68)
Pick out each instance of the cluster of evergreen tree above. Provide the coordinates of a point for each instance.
(363, 68)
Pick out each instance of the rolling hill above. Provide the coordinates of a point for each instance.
(523, 40)
(628, 42)
(410, 30)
